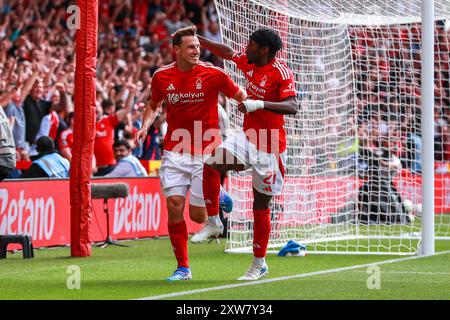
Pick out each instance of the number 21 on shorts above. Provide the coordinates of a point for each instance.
(271, 177)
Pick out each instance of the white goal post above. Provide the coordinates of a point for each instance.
(356, 162)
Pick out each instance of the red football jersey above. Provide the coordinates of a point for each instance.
(273, 82)
(104, 139)
(192, 105)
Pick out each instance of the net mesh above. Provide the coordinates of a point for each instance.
(352, 180)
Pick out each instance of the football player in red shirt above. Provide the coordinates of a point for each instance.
(262, 146)
(190, 89)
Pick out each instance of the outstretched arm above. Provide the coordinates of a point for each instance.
(240, 96)
(218, 49)
(149, 116)
(287, 106)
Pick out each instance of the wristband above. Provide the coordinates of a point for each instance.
(253, 105)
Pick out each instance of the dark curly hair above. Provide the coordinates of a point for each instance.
(269, 38)
(120, 143)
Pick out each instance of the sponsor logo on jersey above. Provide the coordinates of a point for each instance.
(250, 73)
(171, 87)
(185, 97)
(255, 90)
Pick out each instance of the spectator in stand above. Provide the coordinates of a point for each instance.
(66, 142)
(15, 112)
(127, 164)
(16, 116)
(140, 11)
(126, 29)
(154, 7)
(194, 10)
(440, 134)
(106, 124)
(174, 22)
(158, 30)
(35, 108)
(151, 147)
(413, 150)
(47, 163)
(66, 139)
(125, 129)
(120, 9)
(136, 120)
(210, 30)
(58, 98)
(52, 125)
(7, 147)
(36, 49)
(378, 200)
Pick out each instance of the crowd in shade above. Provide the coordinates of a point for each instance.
(387, 64)
(37, 71)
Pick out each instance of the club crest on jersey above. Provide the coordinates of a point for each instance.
(250, 73)
(263, 81)
(198, 83)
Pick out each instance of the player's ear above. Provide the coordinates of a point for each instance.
(264, 50)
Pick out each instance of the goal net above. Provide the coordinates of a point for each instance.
(353, 175)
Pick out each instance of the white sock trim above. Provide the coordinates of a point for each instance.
(215, 220)
(259, 262)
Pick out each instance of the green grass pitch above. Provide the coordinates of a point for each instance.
(139, 272)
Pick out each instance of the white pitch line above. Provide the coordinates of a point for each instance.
(297, 276)
(411, 272)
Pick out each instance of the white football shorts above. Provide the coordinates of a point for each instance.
(181, 173)
(268, 169)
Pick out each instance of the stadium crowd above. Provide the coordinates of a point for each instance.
(37, 69)
(37, 77)
(388, 70)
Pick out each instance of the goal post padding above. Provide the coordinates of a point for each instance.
(84, 129)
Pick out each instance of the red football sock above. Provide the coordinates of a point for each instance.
(211, 190)
(179, 239)
(261, 232)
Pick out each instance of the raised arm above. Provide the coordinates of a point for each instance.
(63, 97)
(122, 113)
(218, 49)
(53, 64)
(30, 82)
(6, 97)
